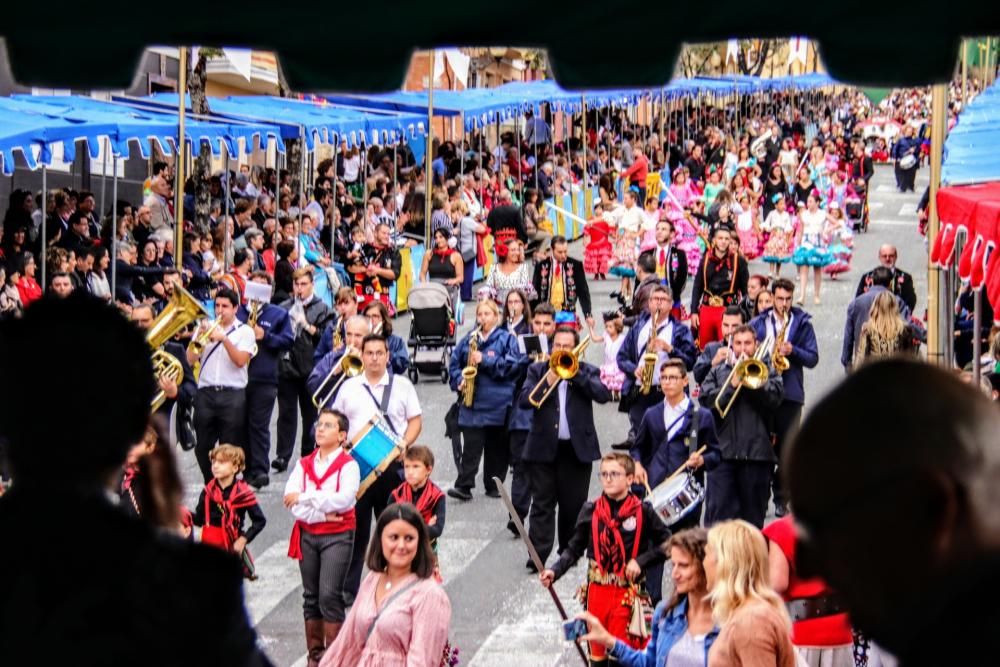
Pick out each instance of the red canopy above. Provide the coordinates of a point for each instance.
(974, 209)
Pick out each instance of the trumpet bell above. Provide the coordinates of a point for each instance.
(752, 373)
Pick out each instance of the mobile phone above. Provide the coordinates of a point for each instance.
(574, 629)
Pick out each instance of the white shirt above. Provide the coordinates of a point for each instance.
(672, 415)
(352, 166)
(666, 334)
(315, 503)
(688, 651)
(359, 406)
(563, 423)
(217, 369)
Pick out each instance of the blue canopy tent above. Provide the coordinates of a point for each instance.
(972, 149)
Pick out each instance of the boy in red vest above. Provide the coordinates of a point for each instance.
(420, 491)
(622, 537)
(321, 492)
(225, 503)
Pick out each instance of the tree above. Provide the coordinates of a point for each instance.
(202, 175)
(753, 54)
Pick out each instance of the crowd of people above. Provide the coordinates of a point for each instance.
(736, 187)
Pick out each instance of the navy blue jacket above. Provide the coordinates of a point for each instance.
(629, 354)
(704, 363)
(745, 433)
(497, 375)
(857, 314)
(325, 345)
(661, 457)
(805, 352)
(278, 339)
(200, 282)
(584, 389)
(399, 358)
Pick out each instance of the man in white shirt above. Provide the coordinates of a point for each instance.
(374, 392)
(220, 405)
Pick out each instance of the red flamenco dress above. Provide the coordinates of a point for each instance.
(598, 250)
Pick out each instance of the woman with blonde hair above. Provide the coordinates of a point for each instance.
(754, 626)
(885, 333)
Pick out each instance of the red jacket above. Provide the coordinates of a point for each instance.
(638, 171)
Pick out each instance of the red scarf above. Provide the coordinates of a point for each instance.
(240, 497)
(425, 504)
(443, 253)
(347, 522)
(609, 547)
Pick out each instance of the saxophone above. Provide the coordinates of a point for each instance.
(469, 372)
(649, 358)
(778, 360)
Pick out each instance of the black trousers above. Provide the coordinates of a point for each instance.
(520, 489)
(738, 490)
(219, 418)
(294, 398)
(325, 559)
(565, 483)
(260, 407)
(489, 443)
(905, 178)
(376, 498)
(786, 417)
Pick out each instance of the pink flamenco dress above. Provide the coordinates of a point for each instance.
(611, 376)
(598, 251)
(841, 241)
(412, 630)
(687, 239)
(750, 241)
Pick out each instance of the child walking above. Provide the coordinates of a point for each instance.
(320, 493)
(622, 537)
(224, 505)
(611, 376)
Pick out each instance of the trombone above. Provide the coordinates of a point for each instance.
(752, 373)
(565, 364)
(350, 365)
(182, 310)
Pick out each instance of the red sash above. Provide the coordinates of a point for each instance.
(609, 547)
(225, 534)
(428, 499)
(347, 521)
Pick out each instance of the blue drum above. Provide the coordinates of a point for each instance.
(375, 447)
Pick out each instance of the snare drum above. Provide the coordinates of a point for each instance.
(675, 498)
(374, 448)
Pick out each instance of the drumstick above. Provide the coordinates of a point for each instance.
(681, 469)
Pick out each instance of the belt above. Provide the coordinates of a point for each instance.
(808, 608)
(596, 576)
(218, 388)
(716, 301)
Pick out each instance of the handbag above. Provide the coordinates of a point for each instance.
(642, 614)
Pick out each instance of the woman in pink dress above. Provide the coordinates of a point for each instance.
(402, 614)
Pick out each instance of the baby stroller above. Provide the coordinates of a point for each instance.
(856, 208)
(432, 330)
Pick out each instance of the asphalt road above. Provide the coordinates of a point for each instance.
(498, 610)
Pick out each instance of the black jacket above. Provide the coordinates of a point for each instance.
(584, 390)
(119, 589)
(901, 286)
(278, 339)
(745, 433)
(297, 363)
(575, 284)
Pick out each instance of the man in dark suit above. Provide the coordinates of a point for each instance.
(880, 280)
(672, 340)
(115, 587)
(800, 348)
(669, 436)
(562, 282)
(559, 461)
(900, 283)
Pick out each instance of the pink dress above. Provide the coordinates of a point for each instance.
(611, 376)
(411, 632)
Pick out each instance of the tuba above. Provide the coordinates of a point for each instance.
(470, 371)
(565, 364)
(351, 365)
(182, 310)
(649, 358)
(752, 372)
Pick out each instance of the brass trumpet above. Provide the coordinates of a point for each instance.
(198, 343)
(565, 364)
(350, 365)
(778, 360)
(182, 310)
(649, 358)
(470, 371)
(752, 372)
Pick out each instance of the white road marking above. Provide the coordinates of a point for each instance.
(893, 223)
(875, 204)
(886, 188)
(906, 210)
(277, 576)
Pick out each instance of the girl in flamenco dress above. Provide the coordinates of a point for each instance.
(781, 232)
(748, 228)
(840, 239)
(597, 252)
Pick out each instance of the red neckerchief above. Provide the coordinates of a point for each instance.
(425, 504)
(443, 253)
(308, 467)
(240, 497)
(609, 548)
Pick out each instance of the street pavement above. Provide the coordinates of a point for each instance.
(499, 611)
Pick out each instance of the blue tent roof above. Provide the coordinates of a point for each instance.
(322, 121)
(972, 149)
(32, 124)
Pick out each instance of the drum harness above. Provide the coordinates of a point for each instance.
(383, 407)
